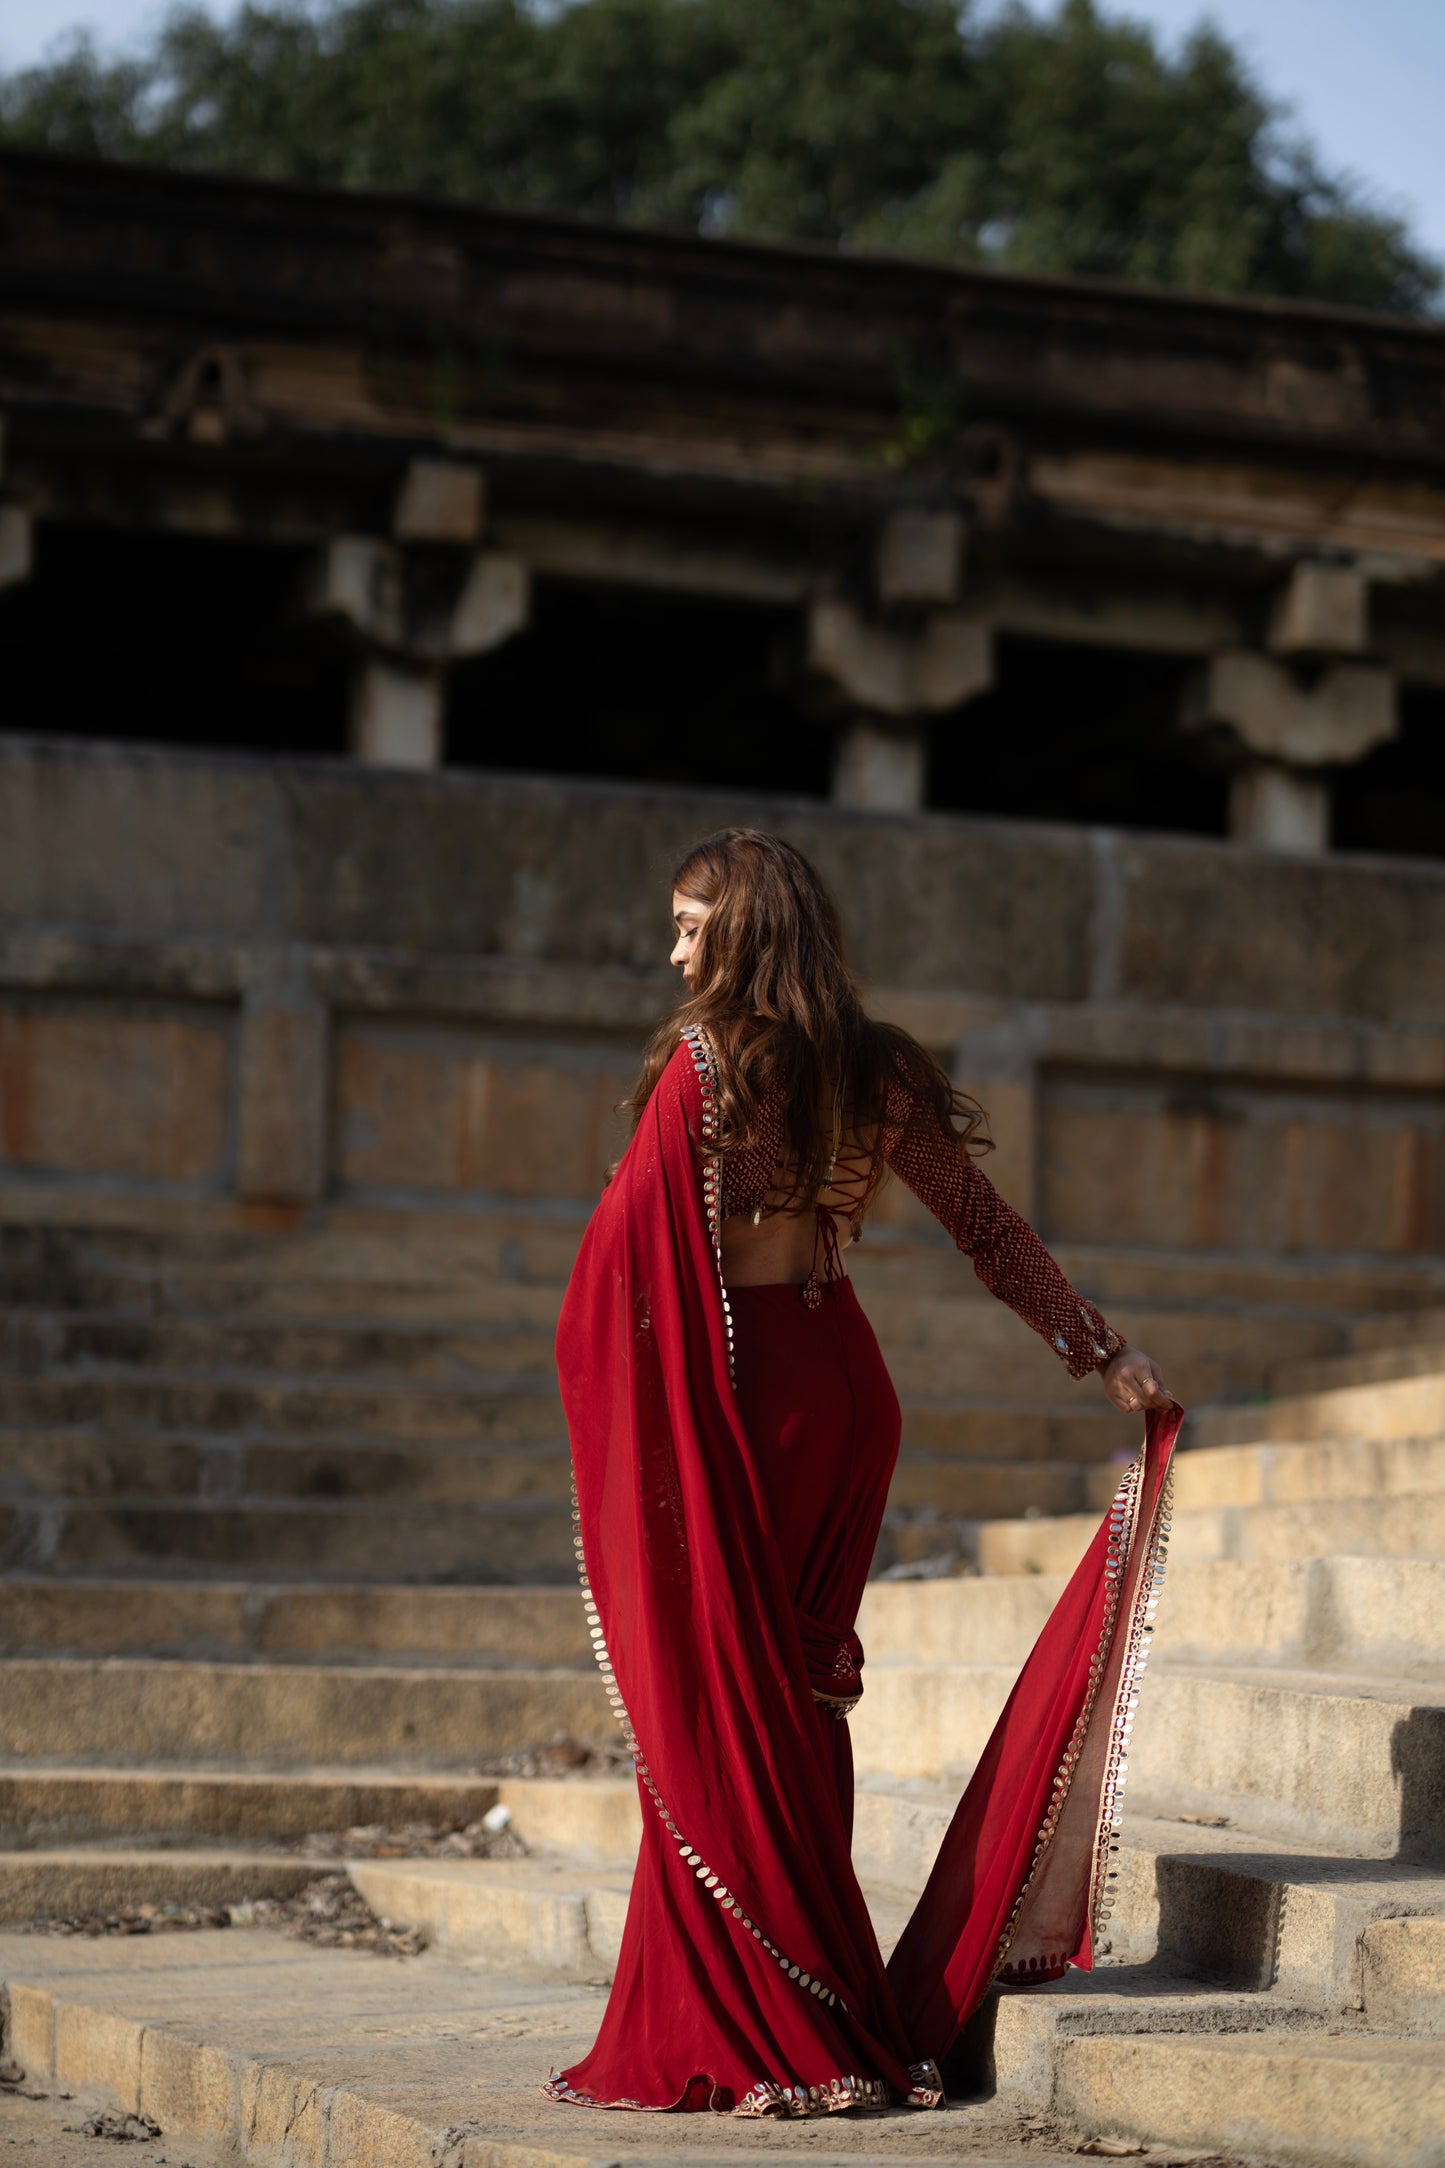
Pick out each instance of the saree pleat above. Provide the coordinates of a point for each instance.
(750, 1975)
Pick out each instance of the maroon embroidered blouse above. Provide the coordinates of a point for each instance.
(1007, 1255)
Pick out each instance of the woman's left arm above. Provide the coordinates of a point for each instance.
(1014, 1265)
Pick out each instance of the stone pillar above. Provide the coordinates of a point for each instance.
(881, 771)
(888, 680)
(398, 715)
(1323, 610)
(1279, 807)
(919, 562)
(283, 1096)
(17, 545)
(441, 500)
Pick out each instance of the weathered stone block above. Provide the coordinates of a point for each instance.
(282, 1100)
(130, 840)
(98, 1088)
(1276, 935)
(1214, 1166)
(1404, 1975)
(920, 557)
(189, 2085)
(286, 2113)
(1324, 610)
(30, 2029)
(441, 500)
(98, 2048)
(443, 1111)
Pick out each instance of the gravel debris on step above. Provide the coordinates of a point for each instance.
(330, 1912)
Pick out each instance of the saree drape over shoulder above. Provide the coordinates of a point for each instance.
(721, 1586)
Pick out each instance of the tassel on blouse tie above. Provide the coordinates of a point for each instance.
(826, 1234)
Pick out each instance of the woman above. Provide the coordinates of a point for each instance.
(733, 1433)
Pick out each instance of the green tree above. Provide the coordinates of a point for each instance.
(1064, 141)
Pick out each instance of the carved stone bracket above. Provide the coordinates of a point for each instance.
(434, 607)
(1336, 716)
(898, 672)
(208, 400)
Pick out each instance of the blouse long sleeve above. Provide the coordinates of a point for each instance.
(1007, 1255)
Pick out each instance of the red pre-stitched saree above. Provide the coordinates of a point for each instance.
(751, 1977)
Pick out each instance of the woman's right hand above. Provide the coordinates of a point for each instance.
(1132, 1381)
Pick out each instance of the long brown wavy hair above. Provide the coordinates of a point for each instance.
(780, 1005)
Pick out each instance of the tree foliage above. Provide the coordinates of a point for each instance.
(1049, 142)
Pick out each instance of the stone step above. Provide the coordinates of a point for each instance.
(1331, 1289)
(56, 1229)
(158, 1466)
(507, 1407)
(1254, 1474)
(509, 1410)
(1381, 1616)
(217, 1619)
(48, 1806)
(1394, 1407)
(1023, 1429)
(142, 1712)
(1349, 1763)
(1221, 1905)
(525, 1915)
(1339, 2101)
(589, 1819)
(1403, 1966)
(1380, 1365)
(274, 2051)
(47, 1342)
(269, 2051)
(527, 1540)
(532, 1917)
(1411, 1525)
(40, 1247)
(1328, 1931)
(943, 1346)
(62, 1883)
(1401, 1328)
(1337, 1761)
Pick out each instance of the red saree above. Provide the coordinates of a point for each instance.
(751, 1978)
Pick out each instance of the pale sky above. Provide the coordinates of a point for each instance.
(1366, 81)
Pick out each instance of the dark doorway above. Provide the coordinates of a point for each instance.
(652, 687)
(1395, 800)
(1080, 734)
(171, 639)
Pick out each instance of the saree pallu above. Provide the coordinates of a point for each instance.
(721, 1585)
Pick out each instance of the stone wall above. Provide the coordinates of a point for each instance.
(278, 983)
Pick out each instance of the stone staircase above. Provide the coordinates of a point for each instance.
(373, 1399)
(179, 1703)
